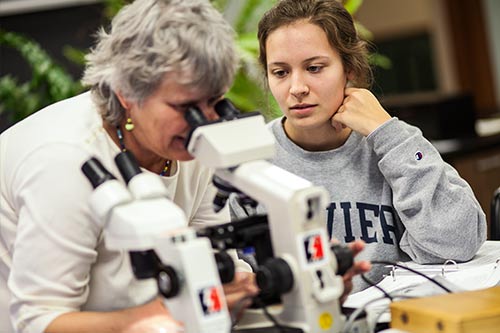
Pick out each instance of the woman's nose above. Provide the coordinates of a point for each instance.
(298, 86)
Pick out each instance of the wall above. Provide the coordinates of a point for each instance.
(14, 7)
(492, 14)
(395, 18)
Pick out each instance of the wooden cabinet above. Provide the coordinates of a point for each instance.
(481, 169)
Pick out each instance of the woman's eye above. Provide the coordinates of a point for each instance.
(279, 73)
(314, 69)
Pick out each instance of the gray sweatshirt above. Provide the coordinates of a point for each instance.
(392, 190)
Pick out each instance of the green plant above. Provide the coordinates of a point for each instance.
(49, 82)
(248, 91)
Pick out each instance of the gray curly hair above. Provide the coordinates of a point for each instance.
(152, 40)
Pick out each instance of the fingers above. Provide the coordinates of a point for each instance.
(242, 287)
(334, 241)
(360, 111)
(348, 286)
(242, 282)
(239, 299)
(356, 246)
(358, 268)
(349, 90)
(336, 124)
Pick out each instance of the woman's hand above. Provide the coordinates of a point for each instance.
(360, 111)
(239, 293)
(357, 268)
(152, 317)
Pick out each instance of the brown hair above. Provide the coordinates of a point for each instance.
(334, 20)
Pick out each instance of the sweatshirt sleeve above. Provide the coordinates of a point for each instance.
(442, 218)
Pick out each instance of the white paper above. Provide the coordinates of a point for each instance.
(480, 273)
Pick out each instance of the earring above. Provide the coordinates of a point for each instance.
(129, 126)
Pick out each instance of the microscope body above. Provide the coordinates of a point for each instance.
(296, 218)
(303, 266)
(200, 303)
(140, 218)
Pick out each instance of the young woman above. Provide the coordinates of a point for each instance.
(388, 185)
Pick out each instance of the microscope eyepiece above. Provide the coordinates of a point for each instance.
(96, 172)
(226, 110)
(128, 165)
(195, 117)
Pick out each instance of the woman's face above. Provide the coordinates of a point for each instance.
(159, 124)
(305, 74)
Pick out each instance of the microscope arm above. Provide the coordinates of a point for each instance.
(296, 218)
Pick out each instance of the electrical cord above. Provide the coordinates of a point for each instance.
(239, 306)
(355, 314)
(269, 316)
(358, 311)
(373, 284)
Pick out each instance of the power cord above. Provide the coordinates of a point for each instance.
(373, 284)
(239, 306)
(269, 316)
(355, 314)
(358, 311)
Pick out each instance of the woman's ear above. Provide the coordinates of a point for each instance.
(349, 80)
(123, 101)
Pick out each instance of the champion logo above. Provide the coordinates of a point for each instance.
(419, 155)
(210, 300)
(313, 246)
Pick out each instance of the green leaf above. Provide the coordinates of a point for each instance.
(352, 6)
(49, 82)
(380, 60)
(74, 55)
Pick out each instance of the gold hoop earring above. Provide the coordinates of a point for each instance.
(129, 126)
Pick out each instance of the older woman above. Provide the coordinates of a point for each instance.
(56, 273)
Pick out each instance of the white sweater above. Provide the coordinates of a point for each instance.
(52, 252)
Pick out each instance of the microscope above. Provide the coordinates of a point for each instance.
(301, 267)
(140, 219)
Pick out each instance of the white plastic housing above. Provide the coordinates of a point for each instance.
(227, 144)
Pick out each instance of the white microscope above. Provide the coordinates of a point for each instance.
(303, 269)
(140, 219)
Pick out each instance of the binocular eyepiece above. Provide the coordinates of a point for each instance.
(224, 108)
